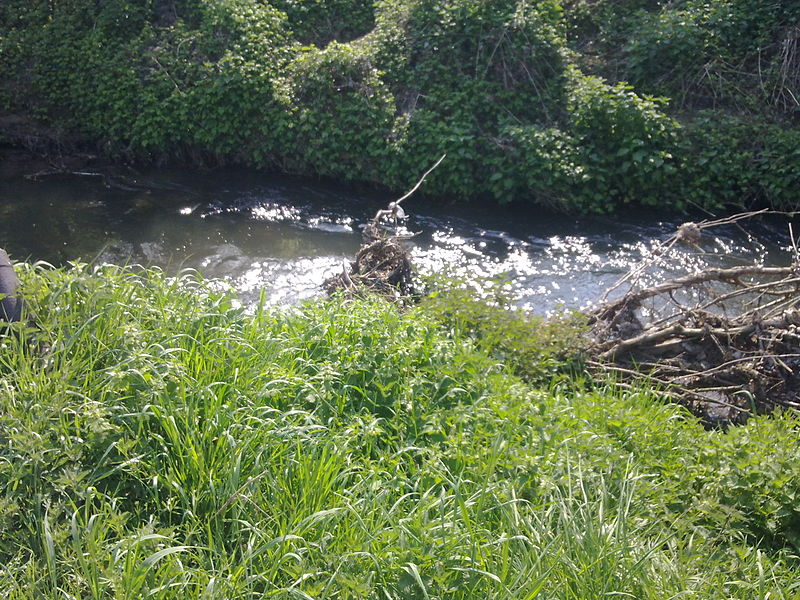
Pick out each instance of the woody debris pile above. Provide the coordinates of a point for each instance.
(382, 265)
(725, 342)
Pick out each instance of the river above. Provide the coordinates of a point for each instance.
(285, 235)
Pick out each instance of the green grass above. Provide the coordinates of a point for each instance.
(158, 441)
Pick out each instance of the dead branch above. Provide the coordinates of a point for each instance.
(680, 331)
(732, 275)
(729, 343)
(382, 265)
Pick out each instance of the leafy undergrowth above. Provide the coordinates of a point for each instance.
(582, 106)
(157, 441)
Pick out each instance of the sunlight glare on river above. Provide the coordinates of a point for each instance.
(285, 235)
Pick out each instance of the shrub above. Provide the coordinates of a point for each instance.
(545, 163)
(320, 22)
(341, 113)
(466, 69)
(386, 88)
(614, 147)
(740, 161)
(626, 145)
(534, 347)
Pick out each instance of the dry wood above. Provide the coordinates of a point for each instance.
(382, 265)
(731, 275)
(729, 343)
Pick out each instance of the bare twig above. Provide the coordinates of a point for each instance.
(421, 179)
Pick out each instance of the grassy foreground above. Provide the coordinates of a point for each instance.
(167, 445)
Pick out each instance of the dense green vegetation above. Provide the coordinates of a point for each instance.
(583, 105)
(158, 441)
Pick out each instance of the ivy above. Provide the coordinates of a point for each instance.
(375, 91)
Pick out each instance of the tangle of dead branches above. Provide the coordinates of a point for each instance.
(723, 341)
(382, 265)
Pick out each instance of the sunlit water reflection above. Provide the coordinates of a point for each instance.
(285, 236)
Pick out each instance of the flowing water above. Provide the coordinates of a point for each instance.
(285, 235)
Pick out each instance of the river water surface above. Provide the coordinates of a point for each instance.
(286, 235)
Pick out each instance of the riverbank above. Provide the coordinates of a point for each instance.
(157, 440)
(680, 105)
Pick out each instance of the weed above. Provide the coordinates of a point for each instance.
(162, 442)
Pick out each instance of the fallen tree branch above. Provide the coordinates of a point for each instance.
(421, 179)
(730, 275)
(678, 330)
(729, 344)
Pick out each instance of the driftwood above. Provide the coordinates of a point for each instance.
(382, 264)
(381, 267)
(723, 341)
